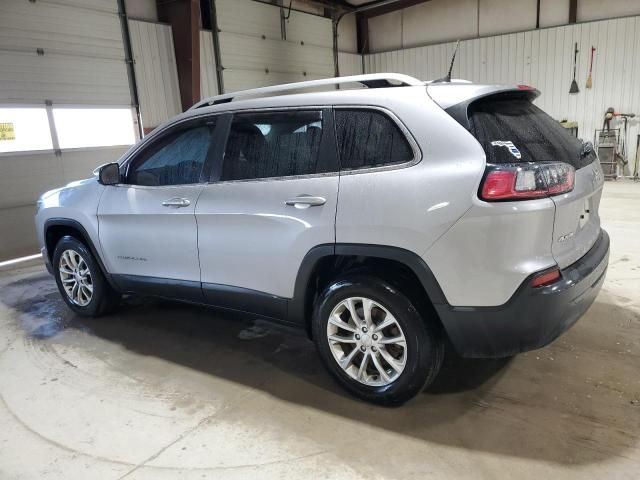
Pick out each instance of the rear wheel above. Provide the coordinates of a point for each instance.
(80, 280)
(374, 341)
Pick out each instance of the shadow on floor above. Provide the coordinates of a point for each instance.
(472, 405)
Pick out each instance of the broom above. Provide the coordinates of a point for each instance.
(589, 80)
(574, 85)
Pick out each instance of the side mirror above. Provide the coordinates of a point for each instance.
(109, 174)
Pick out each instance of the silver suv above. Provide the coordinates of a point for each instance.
(386, 221)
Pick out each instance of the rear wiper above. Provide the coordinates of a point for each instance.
(586, 149)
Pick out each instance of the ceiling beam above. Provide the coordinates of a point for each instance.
(370, 10)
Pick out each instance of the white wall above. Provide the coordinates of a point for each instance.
(254, 53)
(25, 176)
(349, 64)
(598, 9)
(208, 76)
(503, 16)
(444, 20)
(156, 71)
(385, 31)
(554, 13)
(347, 34)
(82, 63)
(423, 23)
(82, 60)
(543, 58)
(142, 10)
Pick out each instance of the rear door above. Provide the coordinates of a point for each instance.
(270, 202)
(514, 130)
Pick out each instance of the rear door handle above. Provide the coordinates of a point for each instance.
(176, 202)
(306, 201)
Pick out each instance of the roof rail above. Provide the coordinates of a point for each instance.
(372, 80)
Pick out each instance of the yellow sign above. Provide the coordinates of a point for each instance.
(7, 132)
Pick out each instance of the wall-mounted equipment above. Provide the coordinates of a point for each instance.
(574, 85)
(589, 83)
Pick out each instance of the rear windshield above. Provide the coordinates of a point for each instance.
(513, 130)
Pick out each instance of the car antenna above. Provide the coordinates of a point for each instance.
(447, 78)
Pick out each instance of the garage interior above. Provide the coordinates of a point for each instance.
(164, 390)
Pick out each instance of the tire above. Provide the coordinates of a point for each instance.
(71, 255)
(416, 364)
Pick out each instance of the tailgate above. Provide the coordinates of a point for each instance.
(577, 224)
(513, 130)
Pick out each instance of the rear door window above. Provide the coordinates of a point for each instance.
(369, 138)
(274, 144)
(512, 131)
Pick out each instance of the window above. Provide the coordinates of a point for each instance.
(24, 129)
(514, 130)
(176, 159)
(94, 127)
(369, 138)
(280, 144)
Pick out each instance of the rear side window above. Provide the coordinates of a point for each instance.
(369, 138)
(176, 159)
(512, 131)
(278, 144)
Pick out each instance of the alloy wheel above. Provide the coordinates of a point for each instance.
(76, 278)
(367, 341)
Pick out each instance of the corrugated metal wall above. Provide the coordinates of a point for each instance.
(543, 58)
(156, 71)
(81, 57)
(208, 82)
(349, 64)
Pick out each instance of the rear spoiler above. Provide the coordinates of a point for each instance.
(456, 99)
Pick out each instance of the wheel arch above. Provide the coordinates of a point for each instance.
(323, 262)
(57, 228)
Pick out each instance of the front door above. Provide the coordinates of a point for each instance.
(147, 225)
(274, 199)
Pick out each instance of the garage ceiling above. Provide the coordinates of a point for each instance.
(371, 8)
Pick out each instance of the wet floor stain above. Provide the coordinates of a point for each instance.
(558, 396)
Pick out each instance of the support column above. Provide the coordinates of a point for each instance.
(362, 32)
(573, 11)
(184, 18)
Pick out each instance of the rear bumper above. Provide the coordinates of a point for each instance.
(533, 317)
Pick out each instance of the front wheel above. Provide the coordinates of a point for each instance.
(80, 280)
(374, 341)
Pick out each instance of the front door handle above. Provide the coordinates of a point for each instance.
(176, 202)
(306, 201)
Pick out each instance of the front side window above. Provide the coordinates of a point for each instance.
(176, 159)
(276, 144)
(369, 138)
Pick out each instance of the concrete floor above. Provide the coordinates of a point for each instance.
(161, 390)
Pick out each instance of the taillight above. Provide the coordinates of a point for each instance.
(522, 181)
(546, 278)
